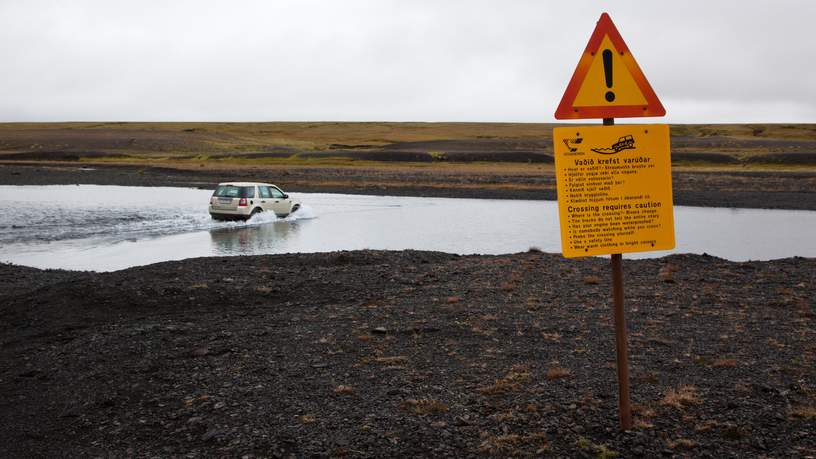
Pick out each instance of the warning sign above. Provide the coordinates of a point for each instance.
(608, 82)
(614, 189)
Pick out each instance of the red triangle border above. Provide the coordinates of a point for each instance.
(566, 110)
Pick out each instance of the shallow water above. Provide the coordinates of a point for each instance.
(109, 227)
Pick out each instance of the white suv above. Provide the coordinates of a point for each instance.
(242, 200)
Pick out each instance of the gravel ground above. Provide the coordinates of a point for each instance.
(403, 354)
(706, 188)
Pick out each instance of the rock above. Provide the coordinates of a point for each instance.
(212, 434)
(379, 330)
(200, 352)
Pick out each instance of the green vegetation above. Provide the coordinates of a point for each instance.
(372, 143)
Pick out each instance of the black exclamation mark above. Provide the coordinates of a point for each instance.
(607, 58)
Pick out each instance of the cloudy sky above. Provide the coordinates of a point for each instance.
(381, 60)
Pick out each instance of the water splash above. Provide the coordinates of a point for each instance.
(304, 213)
(262, 218)
(112, 214)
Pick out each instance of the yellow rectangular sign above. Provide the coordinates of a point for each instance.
(614, 189)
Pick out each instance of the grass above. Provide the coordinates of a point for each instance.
(177, 138)
(681, 443)
(681, 398)
(803, 412)
(511, 382)
(601, 451)
(724, 363)
(512, 282)
(208, 143)
(557, 373)
(395, 360)
(513, 445)
(554, 337)
(592, 280)
(423, 406)
(307, 419)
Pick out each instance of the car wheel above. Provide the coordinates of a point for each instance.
(255, 212)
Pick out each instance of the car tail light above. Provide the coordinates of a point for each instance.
(242, 202)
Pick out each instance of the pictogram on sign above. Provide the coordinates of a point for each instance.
(608, 82)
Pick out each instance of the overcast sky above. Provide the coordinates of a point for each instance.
(379, 60)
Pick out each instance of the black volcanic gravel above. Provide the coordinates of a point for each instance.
(399, 354)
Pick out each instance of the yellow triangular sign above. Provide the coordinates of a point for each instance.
(608, 82)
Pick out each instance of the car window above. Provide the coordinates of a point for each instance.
(264, 192)
(232, 191)
(276, 193)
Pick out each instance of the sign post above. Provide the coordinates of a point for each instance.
(614, 182)
(621, 346)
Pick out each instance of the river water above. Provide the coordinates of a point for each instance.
(104, 228)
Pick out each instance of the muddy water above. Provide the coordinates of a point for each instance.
(108, 227)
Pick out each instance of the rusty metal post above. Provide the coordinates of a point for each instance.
(624, 405)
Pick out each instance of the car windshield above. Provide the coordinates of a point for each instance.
(232, 191)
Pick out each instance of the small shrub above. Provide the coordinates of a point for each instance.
(438, 155)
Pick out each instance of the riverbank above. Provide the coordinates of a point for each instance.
(725, 187)
(384, 354)
(715, 165)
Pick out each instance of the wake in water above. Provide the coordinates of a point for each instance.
(50, 223)
(304, 213)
